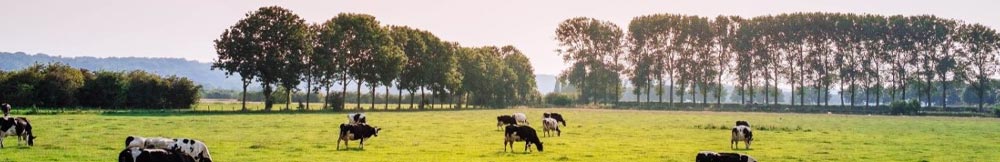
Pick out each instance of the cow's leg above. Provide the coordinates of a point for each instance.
(748, 144)
(362, 143)
(732, 143)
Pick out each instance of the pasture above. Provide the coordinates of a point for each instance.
(472, 135)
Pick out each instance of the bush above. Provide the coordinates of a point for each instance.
(996, 110)
(59, 85)
(905, 107)
(558, 99)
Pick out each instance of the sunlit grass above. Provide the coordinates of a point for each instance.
(472, 135)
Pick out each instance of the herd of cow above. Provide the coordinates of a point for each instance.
(515, 128)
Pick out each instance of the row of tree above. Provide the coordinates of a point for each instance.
(59, 85)
(853, 54)
(276, 48)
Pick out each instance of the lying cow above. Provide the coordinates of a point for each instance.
(741, 133)
(135, 154)
(549, 125)
(708, 156)
(350, 132)
(19, 127)
(193, 148)
(556, 116)
(521, 118)
(356, 118)
(505, 120)
(148, 142)
(514, 133)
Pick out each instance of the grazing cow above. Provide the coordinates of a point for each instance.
(19, 127)
(505, 120)
(136, 154)
(148, 142)
(521, 118)
(193, 148)
(556, 116)
(548, 125)
(743, 123)
(514, 133)
(350, 132)
(708, 156)
(356, 118)
(741, 133)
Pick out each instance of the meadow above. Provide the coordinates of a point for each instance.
(472, 135)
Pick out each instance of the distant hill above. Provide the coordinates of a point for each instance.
(200, 72)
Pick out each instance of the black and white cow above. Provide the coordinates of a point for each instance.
(556, 116)
(514, 133)
(708, 156)
(148, 142)
(741, 133)
(20, 127)
(350, 132)
(521, 118)
(549, 125)
(5, 108)
(193, 148)
(356, 118)
(505, 120)
(135, 154)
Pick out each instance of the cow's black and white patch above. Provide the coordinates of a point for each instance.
(708, 156)
(20, 127)
(505, 120)
(194, 148)
(356, 118)
(136, 154)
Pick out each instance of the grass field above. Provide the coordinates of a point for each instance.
(471, 135)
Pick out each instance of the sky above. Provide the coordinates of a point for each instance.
(186, 28)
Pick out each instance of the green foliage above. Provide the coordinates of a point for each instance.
(59, 85)
(905, 107)
(558, 99)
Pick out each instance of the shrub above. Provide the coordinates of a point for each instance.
(996, 110)
(558, 99)
(905, 107)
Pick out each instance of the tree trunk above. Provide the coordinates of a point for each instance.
(387, 97)
(244, 101)
(399, 98)
(357, 103)
(343, 93)
(308, 90)
(288, 98)
(373, 96)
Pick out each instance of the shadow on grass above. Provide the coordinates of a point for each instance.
(352, 149)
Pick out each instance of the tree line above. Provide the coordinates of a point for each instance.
(59, 85)
(861, 56)
(276, 48)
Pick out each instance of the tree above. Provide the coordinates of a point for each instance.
(588, 44)
(357, 40)
(979, 44)
(267, 45)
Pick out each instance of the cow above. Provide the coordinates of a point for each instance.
(19, 127)
(148, 142)
(550, 124)
(743, 123)
(350, 132)
(135, 154)
(514, 133)
(556, 116)
(193, 148)
(505, 120)
(708, 156)
(741, 133)
(521, 118)
(356, 118)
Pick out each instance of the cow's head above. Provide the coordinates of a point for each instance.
(31, 140)
(376, 131)
(539, 146)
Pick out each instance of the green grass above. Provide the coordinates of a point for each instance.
(472, 135)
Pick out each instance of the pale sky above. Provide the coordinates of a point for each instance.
(186, 28)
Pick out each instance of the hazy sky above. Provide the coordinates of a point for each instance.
(186, 28)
